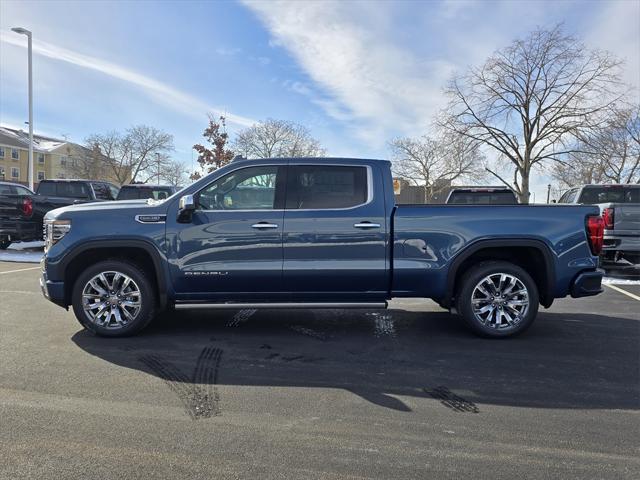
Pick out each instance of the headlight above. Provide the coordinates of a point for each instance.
(54, 230)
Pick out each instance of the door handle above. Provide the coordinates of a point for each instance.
(366, 225)
(261, 225)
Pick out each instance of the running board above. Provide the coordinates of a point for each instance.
(241, 306)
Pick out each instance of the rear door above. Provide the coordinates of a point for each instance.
(334, 233)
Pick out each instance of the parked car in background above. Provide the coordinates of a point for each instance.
(620, 208)
(142, 190)
(23, 213)
(481, 196)
(315, 233)
(16, 209)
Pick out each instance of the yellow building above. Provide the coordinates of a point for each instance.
(52, 158)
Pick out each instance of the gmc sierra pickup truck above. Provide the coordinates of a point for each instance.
(314, 233)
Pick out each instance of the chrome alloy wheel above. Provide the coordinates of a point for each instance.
(500, 300)
(111, 300)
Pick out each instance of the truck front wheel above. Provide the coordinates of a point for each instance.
(114, 298)
(497, 299)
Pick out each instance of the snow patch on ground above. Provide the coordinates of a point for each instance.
(23, 252)
(620, 281)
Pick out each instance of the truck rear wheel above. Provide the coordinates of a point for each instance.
(4, 243)
(114, 299)
(497, 299)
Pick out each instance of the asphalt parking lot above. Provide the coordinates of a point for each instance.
(404, 393)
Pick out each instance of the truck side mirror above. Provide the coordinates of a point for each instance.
(186, 207)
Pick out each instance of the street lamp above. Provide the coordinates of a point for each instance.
(24, 31)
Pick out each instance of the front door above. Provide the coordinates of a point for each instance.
(233, 246)
(335, 237)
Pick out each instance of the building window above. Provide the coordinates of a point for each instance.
(15, 154)
(40, 175)
(41, 158)
(1, 152)
(15, 172)
(63, 161)
(1, 173)
(61, 175)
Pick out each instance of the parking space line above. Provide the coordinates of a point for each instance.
(20, 270)
(624, 292)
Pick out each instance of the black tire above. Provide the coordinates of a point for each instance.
(490, 328)
(147, 298)
(4, 244)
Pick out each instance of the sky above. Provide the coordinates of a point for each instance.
(356, 73)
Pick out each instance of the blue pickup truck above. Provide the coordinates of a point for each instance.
(314, 233)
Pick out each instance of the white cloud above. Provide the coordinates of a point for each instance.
(616, 28)
(375, 85)
(160, 92)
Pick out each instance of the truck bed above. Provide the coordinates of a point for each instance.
(427, 240)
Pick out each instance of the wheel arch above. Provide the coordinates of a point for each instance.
(533, 255)
(140, 252)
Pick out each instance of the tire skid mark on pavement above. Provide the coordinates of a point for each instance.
(241, 317)
(451, 400)
(308, 332)
(199, 394)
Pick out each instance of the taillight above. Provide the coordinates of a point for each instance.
(608, 215)
(27, 207)
(595, 232)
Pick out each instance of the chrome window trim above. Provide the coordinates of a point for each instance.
(370, 193)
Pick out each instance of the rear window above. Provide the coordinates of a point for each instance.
(612, 194)
(323, 187)
(64, 189)
(482, 198)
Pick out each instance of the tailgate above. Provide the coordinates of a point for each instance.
(627, 218)
(10, 206)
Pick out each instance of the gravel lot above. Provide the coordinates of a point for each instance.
(404, 393)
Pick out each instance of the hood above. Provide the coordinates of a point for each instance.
(137, 205)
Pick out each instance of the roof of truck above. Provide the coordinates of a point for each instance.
(239, 158)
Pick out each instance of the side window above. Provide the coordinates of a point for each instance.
(326, 187)
(563, 197)
(571, 196)
(252, 188)
(22, 191)
(102, 191)
(114, 191)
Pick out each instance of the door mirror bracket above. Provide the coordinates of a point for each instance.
(186, 207)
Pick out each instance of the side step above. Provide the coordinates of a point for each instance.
(240, 306)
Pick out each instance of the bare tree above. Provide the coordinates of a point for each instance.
(435, 163)
(277, 138)
(610, 154)
(530, 100)
(131, 153)
(219, 154)
(175, 173)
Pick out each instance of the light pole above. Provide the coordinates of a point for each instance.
(158, 159)
(24, 31)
